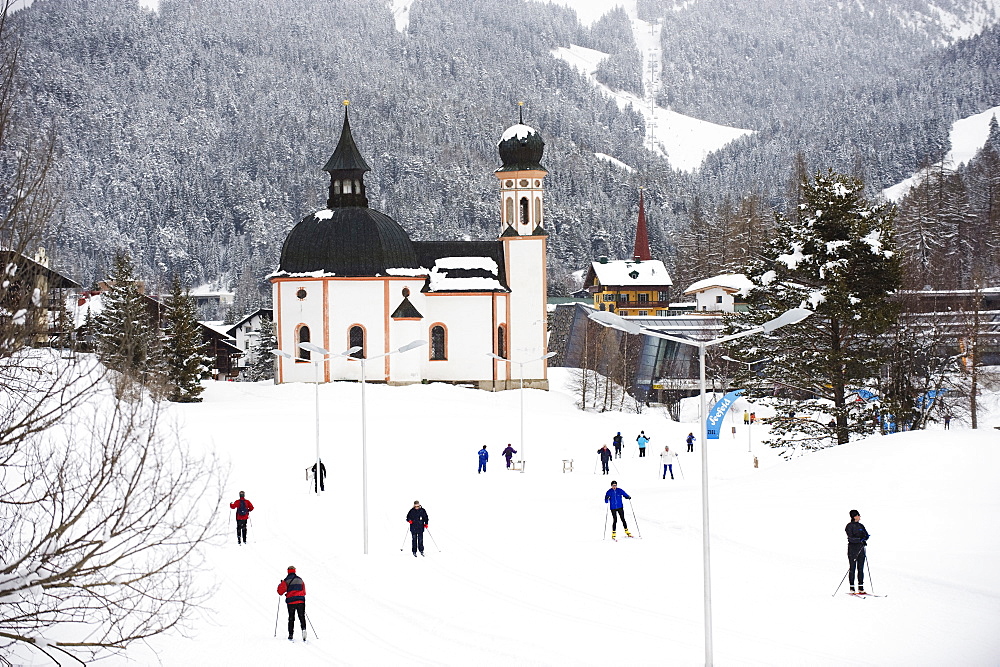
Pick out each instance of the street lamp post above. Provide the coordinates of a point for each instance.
(364, 427)
(609, 319)
(325, 356)
(520, 368)
(749, 366)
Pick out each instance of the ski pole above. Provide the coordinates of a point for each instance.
(311, 626)
(249, 525)
(604, 535)
(638, 532)
(864, 550)
(596, 461)
(433, 540)
(403, 545)
(277, 613)
(679, 468)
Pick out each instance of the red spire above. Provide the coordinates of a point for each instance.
(641, 238)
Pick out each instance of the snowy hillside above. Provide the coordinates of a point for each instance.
(519, 570)
(967, 136)
(683, 140)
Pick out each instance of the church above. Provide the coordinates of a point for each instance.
(350, 276)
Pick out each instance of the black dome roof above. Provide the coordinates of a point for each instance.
(355, 241)
(521, 148)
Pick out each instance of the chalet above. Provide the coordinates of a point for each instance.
(720, 294)
(639, 287)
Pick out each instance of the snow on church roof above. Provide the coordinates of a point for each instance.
(734, 282)
(628, 272)
(521, 131)
(464, 274)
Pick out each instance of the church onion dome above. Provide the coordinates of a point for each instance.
(521, 149)
(356, 241)
(346, 238)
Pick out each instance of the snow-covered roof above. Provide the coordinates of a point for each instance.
(733, 282)
(520, 130)
(631, 273)
(465, 274)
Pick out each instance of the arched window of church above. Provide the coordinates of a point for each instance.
(336, 187)
(510, 211)
(502, 341)
(357, 186)
(439, 343)
(538, 210)
(347, 186)
(303, 338)
(524, 210)
(357, 339)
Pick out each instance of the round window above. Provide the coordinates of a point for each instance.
(406, 292)
(508, 184)
(538, 183)
(523, 182)
(301, 293)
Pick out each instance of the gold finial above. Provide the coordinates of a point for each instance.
(520, 104)
(346, 102)
(520, 113)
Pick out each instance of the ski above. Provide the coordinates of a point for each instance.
(866, 595)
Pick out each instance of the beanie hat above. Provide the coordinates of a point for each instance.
(291, 568)
(241, 494)
(855, 513)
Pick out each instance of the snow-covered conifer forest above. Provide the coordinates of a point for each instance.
(193, 135)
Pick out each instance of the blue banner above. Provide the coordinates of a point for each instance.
(718, 412)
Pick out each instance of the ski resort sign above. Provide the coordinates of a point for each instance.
(718, 412)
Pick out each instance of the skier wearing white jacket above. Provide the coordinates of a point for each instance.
(668, 458)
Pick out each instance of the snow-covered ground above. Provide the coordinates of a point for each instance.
(520, 570)
(967, 136)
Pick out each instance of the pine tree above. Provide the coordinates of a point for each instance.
(125, 334)
(184, 360)
(262, 365)
(837, 258)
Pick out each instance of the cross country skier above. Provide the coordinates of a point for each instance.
(484, 456)
(617, 442)
(857, 540)
(605, 459)
(690, 442)
(294, 590)
(243, 508)
(417, 518)
(614, 497)
(668, 458)
(508, 453)
(642, 440)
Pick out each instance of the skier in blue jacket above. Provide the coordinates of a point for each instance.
(483, 458)
(614, 497)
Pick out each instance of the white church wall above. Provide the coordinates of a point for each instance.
(528, 317)
(294, 312)
(468, 319)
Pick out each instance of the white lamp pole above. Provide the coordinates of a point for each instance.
(609, 319)
(520, 368)
(749, 366)
(324, 356)
(364, 427)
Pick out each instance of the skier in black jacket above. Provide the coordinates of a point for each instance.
(417, 518)
(857, 540)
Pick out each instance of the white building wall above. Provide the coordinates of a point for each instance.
(528, 317)
(468, 319)
(292, 311)
(707, 300)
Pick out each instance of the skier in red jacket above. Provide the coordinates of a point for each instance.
(243, 508)
(294, 590)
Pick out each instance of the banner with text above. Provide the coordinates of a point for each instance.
(718, 412)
